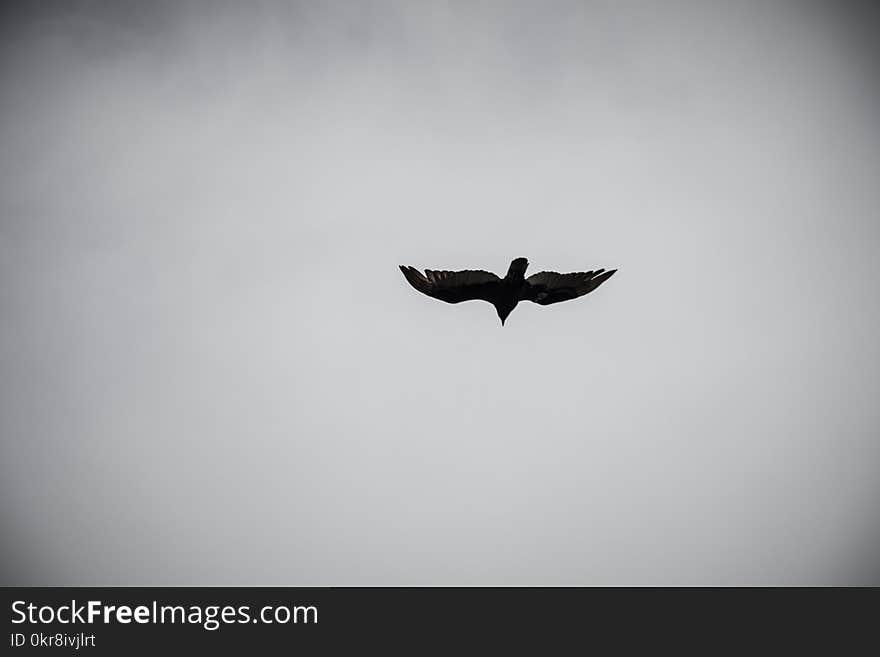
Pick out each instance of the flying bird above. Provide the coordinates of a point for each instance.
(544, 288)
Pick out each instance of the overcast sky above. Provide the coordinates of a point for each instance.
(212, 371)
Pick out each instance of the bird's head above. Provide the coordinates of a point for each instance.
(503, 314)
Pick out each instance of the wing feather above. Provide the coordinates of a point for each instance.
(453, 286)
(548, 287)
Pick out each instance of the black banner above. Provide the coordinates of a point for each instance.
(118, 620)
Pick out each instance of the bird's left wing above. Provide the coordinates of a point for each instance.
(548, 287)
(453, 286)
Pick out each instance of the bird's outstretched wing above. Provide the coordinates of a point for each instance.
(453, 286)
(548, 287)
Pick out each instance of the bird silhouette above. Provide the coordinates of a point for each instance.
(544, 288)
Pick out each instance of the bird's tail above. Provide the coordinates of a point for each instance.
(517, 268)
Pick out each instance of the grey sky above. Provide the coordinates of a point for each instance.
(213, 372)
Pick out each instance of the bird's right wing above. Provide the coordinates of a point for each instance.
(548, 287)
(453, 286)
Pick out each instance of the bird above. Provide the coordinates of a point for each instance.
(543, 288)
